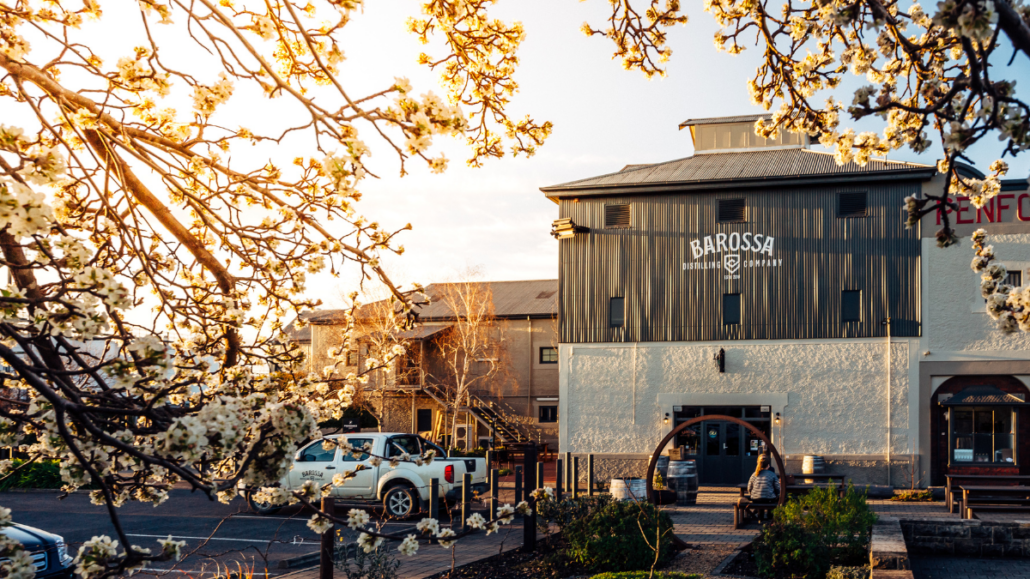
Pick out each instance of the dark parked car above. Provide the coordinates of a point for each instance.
(47, 550)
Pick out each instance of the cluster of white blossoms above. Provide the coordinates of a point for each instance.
(135, 75)
(1008, 305)
(421, 120)
(16, 561)
(207, 98)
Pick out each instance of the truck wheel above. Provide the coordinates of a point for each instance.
(400, 502)
(261, 508)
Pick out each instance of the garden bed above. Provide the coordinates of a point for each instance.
(548, 562)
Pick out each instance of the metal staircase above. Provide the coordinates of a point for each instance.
(489, 414)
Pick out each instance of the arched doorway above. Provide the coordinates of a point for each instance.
(979, 425)
(649, 477)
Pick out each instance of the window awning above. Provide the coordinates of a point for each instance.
(984, 395)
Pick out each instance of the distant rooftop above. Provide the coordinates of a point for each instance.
(512, 300)
(724, 120)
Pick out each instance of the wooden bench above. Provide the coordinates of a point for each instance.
(1012, 508)
(993, 498)
(744, 509)
(952, 481)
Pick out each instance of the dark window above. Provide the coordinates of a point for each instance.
(731, 210)
(982, 434)
(356, 455)
(352, 357)
(731, 309)
(403, 444)
(548, 414)
(1014, 278)
(851, 305)
(315, 453)
(616, 313)
(424, 419)
(616, 216)
(851, 204)
(548, 355)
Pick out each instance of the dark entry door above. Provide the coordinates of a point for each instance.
(721, 453)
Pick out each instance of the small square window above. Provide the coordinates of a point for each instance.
(548, 414)
(548, 355)
(731, 210)
(852, 204)
(851, 305)
(731, 309)
(616, 312)
(1014, 278)
(352, 357)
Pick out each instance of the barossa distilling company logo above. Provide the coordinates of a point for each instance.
(736, 251)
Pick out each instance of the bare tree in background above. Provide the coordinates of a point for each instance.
(473, 352)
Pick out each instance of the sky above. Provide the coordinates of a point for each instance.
(495, 218)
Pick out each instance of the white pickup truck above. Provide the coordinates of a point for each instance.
(403, 490)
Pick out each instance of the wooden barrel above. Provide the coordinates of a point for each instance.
(812, 464)
(662, 467)
(683, 479)
(629, 489)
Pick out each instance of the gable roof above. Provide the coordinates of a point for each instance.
(512, 300)
(756, 167)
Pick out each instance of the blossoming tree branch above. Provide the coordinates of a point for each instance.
(150, 267)
(939, 75)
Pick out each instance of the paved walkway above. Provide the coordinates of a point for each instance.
(710, 522)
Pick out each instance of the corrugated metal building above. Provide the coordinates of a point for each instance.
(800, 275)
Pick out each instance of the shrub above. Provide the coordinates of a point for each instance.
(914, 496)
(562, 513)
(621, 536)
(504, 472)
(813, 532)
(357, 564)
(848, 573)
(38, 475)
(646, 575)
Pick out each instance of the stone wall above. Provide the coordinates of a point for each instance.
(967, 538)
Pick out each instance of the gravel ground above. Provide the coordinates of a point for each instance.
(700, 559)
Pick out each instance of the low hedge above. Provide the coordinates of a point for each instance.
(610, 537)
(38, 475)
(646, 575)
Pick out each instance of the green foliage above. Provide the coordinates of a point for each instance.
(813, 532)
(357, 564)
(478, 451)
(562, 513)
(504, 472)
(620, 536)
(914, 496)
(38, 475)
(646, 575)
(848, 573)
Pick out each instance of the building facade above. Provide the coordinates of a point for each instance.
(517, 404)
(759, 279)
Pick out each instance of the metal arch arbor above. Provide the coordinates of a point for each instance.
(652, 497)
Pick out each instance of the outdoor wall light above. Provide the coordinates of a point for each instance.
(666, 417)
(565, 228)
(777, 418)
(720, 360)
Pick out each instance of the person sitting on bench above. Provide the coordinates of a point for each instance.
(764, 486)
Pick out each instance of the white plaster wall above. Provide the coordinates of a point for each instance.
(836, 392)
(954, 320)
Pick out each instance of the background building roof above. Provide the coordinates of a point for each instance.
(724, 120)
(707, 169)
(512, 300)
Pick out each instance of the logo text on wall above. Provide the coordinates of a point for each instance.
(731, 249)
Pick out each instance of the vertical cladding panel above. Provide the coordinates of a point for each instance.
(821, 254)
